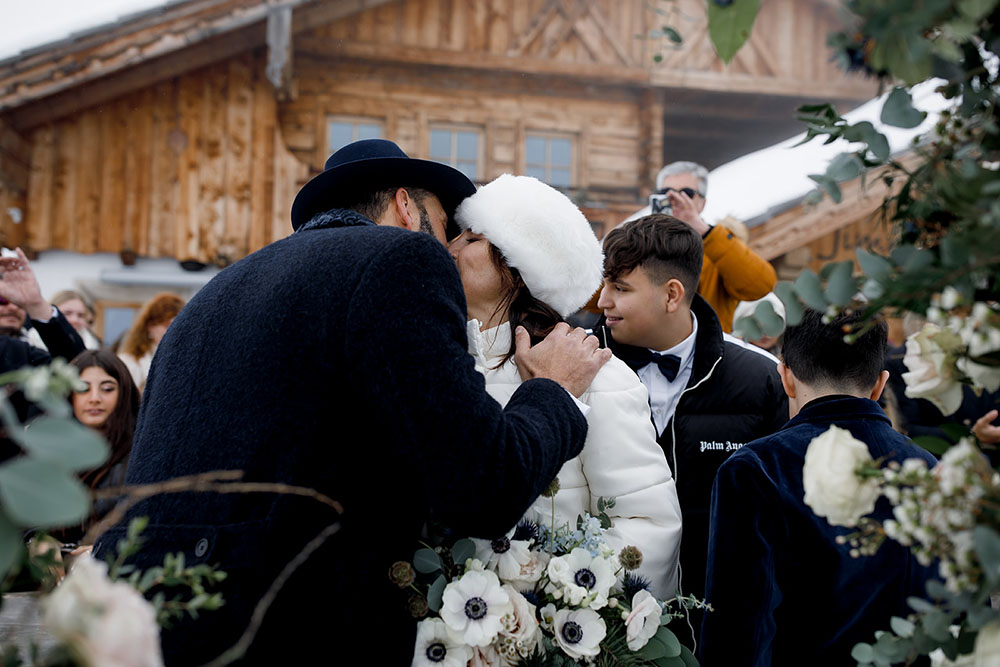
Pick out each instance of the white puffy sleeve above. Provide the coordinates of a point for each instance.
(622, 459)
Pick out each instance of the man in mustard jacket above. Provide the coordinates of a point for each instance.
(731, 271)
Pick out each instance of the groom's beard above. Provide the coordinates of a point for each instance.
(425, 220)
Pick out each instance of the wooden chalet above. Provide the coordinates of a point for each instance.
(185, 131)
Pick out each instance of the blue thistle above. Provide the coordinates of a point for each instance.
(532, 597)
(526, 530)
(632, 583)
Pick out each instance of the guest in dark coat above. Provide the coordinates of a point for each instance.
(336, 359)
(783, 591)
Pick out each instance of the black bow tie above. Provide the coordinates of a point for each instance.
(637, 357)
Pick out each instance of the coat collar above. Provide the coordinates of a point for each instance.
(841, 407)
(334, 218)
(488, 346)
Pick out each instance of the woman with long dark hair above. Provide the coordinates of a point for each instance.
(109, 404)
(529, 258)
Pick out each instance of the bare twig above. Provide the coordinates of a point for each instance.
(217, 481)
(239, 649)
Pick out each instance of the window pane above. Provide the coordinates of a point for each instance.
(467, 168)
(468, 146)
(559, 177)
(441, 145)
(537, 172)
(369, 131)
(534, 150)
(116, 322)
(341, 134)
(561, 152)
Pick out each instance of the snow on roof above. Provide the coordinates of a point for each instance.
(759, 185)
(28, 26)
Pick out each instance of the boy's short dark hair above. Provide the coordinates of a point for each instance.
(662, 245)
(817, 354)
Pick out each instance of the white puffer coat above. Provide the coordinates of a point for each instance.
(620, 459)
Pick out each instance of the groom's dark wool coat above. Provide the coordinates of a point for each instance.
(335, 359)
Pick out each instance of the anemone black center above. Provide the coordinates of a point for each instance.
(475, 608)
(436, 652)
(572, 632)
(501, 545)
(585, 578)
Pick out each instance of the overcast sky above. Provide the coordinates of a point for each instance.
(28, 23)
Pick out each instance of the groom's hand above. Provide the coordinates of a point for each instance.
(567, 356)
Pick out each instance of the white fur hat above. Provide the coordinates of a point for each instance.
(542, 234)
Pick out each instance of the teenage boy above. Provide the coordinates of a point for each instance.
(783, 591)
(708, 397)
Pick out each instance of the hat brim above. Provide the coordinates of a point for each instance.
(347, 184)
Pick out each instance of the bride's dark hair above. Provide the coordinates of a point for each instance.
(523, 309)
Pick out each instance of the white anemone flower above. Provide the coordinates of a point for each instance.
(474, 607)
(643, 620)
(579, 632)
(436, 647)
(581, 579)
(504, 555)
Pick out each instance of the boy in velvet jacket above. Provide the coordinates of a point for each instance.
(783, 591)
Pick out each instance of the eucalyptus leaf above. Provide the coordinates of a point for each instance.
(672, 35)
(730, 26)
(863, 653)
(810, 290)
(874, 266)
(933, 444)
(669, 640)
(956, 431)
(463, 550)
(920, 605)
(987, 544)
(845, 167)
(980, 616)
(11, 545)
(653, 650)
(688, 657)
(937, 626)
(841, 287)
(793, 307)
(901, 626)
(426, 561)
(898, 110)
(768, 319)
(41, 494)
(748, 328)
(66, 442)
(976, 9)
(435, 593)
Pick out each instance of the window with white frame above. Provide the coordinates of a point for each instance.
(458, 146)
(342, 130)
(549, 158)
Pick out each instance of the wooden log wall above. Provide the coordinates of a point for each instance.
(192, 168)
(15, 160)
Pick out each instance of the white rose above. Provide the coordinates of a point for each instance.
(930, 358)
(519, 634)
(102, 622)
(643, 621)
(832, 489)
(982, 376)
(531, 571)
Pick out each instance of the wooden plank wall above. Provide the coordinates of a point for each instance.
(187, 168)
(606, 122)
(608, 33)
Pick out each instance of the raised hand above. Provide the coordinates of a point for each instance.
(19, 285)
(567, 356)
(686, 210)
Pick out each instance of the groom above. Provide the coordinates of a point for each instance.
(335, 359)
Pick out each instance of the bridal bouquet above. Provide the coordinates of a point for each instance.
(539, 595)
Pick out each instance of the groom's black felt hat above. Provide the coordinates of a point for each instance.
(369, 165)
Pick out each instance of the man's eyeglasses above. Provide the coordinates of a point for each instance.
(690, 192)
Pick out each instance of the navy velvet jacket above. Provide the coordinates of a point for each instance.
(334, 359)
(783, 591)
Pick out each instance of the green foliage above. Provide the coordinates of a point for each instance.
(426, 561)
(38, 493)
(463, 550)
(729, 26)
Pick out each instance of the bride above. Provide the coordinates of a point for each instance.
(528, 257)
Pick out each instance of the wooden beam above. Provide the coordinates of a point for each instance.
(279, 51)
(800, 225)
